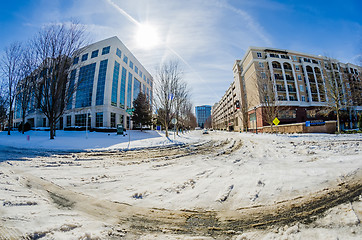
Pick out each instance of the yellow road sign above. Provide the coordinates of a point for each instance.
(276, 121)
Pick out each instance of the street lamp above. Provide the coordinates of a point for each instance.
(86, 123)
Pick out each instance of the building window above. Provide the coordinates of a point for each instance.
(287, 114)
(121, 119)
(101, 82)
(261, 64)
(80, 120)
(263, 75)
(295, 58)
(71, 88)
(119, 53)
(125, 59)
(123, 88)
(148, 81)
(85, 87)
(115, 84)
(131, 64)
(136, 88)
(258, 54)
(113, 120)
(106, 50)
(140, 74)
(297, 68)
(99, 119)
(95, 53)
(85, 57)
(75, 60)
(69, 120)
(311, 113)
(299, 77)
(136, 69)
(129, 90)
(303, 98)
(301, 88)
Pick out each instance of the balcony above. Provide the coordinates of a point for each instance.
(282, 98)
(292, 89)
(287, 69)
(289, 78)
(276, 67)
(292, 98)
(280, 88)
(278, 77)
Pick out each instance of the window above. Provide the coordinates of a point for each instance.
(295, 58)
(144, 77)
(113, 120)
(311, 113)
(287, 114)
(75, 60)
(125, 59)
(85, 57)
(123, 88)
(261, 64)
(69, 120)
(106, 50)
(115, 83)
(71, 88)
(140, 74)
(129, 90)
(99, 119)
(95, 53)
(148, 81)
(301, 88)
(85, 87)
(258, 54)
(101, 82)
(303, 98)
(80, 120)
(299, 77)
(136, 88)
(131, 64)
(297, 68)
(136, 69)
(119, 53)
(263, 75)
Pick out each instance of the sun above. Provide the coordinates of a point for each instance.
(147, 36)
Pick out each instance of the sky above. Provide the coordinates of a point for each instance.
(205, 36)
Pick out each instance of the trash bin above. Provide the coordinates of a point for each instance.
(120, 129)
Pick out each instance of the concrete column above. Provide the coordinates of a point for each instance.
(285, 81)
(307, 82)
(316, 83)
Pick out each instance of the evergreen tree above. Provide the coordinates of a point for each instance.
(142, 112)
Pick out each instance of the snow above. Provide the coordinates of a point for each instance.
(219, 171)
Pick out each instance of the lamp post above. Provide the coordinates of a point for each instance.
(86, 123)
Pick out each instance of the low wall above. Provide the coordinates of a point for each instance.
(328, 127)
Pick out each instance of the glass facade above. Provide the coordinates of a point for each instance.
(101, 82)
(125, 59)
(95, 53)
(85, 86)
(129, 90)
(71, 88)
(69, 120)
(75, 60)
(80, 120)
(115, 83)
(85, 57)
(136, 88)
(99, 119)
(202, 114)
(119, 53)
(106, 50)
(113, 120)
(131, 64)
(123, 88)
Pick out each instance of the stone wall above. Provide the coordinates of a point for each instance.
(329, 127)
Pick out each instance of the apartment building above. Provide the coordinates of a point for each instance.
(299, 86)
(111, 78)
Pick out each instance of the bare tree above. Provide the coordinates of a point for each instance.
(54, 46)
(26, 85)
(267, 97)
(181, 100)
(3, 111)
(10, 68)
(337, 96)
(167, 78)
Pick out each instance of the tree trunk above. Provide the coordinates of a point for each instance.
(9, 121)
(338, 124)
(166, 128)
(51, 125)
(23, 122)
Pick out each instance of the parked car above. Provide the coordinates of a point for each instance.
(205, 132)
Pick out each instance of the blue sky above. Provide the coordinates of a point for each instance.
(206, 35)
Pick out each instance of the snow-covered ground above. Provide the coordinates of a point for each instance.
(75, 187)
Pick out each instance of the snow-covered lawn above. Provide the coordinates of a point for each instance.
(66, 195)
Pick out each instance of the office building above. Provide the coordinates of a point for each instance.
(203, 114)
(111, 78)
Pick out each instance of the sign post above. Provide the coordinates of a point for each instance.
(130, 113)
(276, 122)
(174, 121)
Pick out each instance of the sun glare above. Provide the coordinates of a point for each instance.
(147, 37)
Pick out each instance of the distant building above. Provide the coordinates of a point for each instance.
(299, 85)
(203, 113)
(111, 77)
